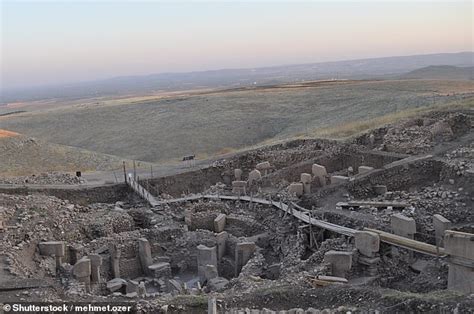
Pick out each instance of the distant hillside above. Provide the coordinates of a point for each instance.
(21, 155)
(166, 129)
(441, 72)
(226, 78)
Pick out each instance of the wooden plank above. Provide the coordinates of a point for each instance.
(372, 204)
(333, 279)
(409, 244)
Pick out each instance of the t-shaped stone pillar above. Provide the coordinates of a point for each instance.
(367, 243)
(115, 260)
(440, 224)
(460, 247)
(264, 167)
(320, 173)
(243, 252)
(144, 253)
(219, 223)
(205, 256)
(82, 271)
(221, 239)
(254, 177)
(306, 180)
(403, 226)
(96, 261)
(53, 248)
(238, 174)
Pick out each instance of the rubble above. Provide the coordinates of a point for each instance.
(251, 255)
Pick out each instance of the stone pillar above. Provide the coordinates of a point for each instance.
(238, 174)
(211, 306)
(221, 239)
(96, 261)
(368, 245)
(205, 256)
(73, 253)
(219, 223)
(144, 254)
(210, 272)
(243, 252)
(254, 177)
(440, 224)
(405, 227)
(264, 167)
(320, 173)
(306, 180)
(340, 261)
(57, 249)
(239, 187)
(82, 271)
(460, 248)
(296, 189)
(141, 289)
(364, 169)
(371, 140)
(115, 260)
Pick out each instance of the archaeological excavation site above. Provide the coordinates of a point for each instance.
(379, 223)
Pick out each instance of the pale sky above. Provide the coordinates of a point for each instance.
(67, 41)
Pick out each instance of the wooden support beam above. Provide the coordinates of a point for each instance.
(409, 244)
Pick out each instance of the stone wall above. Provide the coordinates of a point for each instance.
(189, 182)
(335, 162)
(202, 220)
(400, 176)
(130, 268)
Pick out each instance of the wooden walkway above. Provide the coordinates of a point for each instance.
(296, 211)
(141, 191)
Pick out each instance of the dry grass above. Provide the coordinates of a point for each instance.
(350, 129)
(225, 150)
(215, 123)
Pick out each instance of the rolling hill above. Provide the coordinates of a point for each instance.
(163, 129)
(441, 72)
(387, 67)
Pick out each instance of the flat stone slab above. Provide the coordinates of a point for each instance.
(159, 266)
(339, 179)
(115, 284)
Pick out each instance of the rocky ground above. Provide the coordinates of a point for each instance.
(279, 274)
(44, 179)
